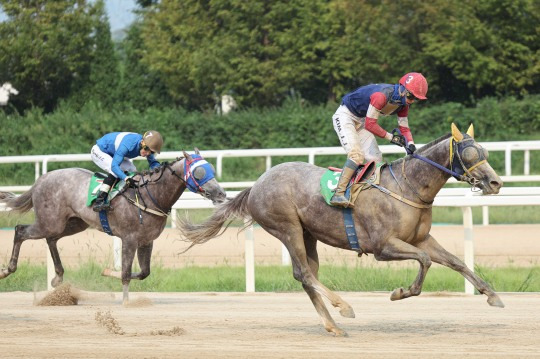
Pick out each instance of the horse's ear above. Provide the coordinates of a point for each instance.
(197, 151)
(458, 136)
(470, 131)
(187, 156)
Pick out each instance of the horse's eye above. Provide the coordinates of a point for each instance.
(199, 173)
(470, 155)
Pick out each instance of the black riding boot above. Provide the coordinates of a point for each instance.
(101, 203)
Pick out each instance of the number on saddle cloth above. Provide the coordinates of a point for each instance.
(95, 184)
(330, 179)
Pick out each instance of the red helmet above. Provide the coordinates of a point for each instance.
(416, 84)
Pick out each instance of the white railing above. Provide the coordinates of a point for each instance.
(41, 161)
(447, 197)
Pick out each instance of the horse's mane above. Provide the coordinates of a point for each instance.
(159, 169)
(435, 142)
(427, 146)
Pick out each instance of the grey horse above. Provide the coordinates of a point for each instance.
(59, 201)
(392, 221)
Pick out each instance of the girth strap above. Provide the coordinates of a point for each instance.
(105, 222)
(399, 198)
(350, 230)
(146, 209)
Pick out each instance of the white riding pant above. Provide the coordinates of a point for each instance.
(104, 161)
(360, 144)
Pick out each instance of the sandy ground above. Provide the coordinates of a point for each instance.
(268, 325)
(495, 245)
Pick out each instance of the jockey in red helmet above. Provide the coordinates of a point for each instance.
(355, 122)
(416, 84)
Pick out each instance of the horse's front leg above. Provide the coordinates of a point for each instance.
(144, 254)
(129, 247)
(440, 255)
(396, 249)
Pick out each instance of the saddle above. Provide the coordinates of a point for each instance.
(95, 183)
(364, 175)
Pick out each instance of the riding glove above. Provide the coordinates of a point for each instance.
(130, 182)
(398, 139)
(411, 148)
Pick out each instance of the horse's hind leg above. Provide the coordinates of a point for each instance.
(19, 238)
(316, 298)
(129, 247)
(52, 231)
(440, 255)
(73, 226)
(144, 254)
(293, 239)
(58, 268)
(396, 249)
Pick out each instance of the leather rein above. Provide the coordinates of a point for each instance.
(142, 204)
(466, 176)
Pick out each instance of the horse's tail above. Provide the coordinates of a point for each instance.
(21, 204)
(215, 225)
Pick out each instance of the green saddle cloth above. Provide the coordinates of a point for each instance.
(330, 179)
(95, 183)
(329, 182)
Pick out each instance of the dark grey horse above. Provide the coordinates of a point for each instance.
(59, 201)
(392, 222)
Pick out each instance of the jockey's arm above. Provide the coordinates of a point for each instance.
(152, 161)
(376, 104)
(117, 160)
(403, 123)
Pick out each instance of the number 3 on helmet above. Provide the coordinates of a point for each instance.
(416, 84)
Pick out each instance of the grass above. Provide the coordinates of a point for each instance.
(441, 215)
(88, 277)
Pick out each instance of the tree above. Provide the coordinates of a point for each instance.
(203, 49)
(487, 47)
(45, 48)
(140, 87)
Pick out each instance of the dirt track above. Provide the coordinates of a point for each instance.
(268, 325)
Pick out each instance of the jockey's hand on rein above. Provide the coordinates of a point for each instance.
(130, 182)
(398, 140)
(411, 148)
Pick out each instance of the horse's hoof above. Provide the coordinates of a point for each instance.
(106, 272)
(397, 294)
(338, 332)
(56, 281)
(495, 301)
(347, 312)
(3, 273)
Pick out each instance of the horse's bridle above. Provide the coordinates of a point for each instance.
(458, 169)
(158, 211)
(462, 173)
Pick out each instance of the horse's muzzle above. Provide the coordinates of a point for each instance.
(491, 187)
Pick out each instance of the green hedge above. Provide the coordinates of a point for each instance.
(292, 125)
